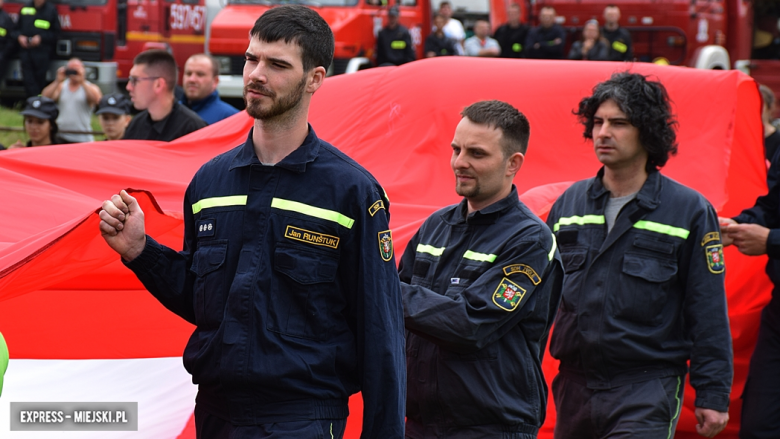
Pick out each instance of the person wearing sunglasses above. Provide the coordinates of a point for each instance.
(150, 84)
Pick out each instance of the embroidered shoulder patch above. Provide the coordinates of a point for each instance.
(709, 237)
(715, 258)
(386, 245)
(379, 204)
(310, 237)
(525, 269)
(508, 295)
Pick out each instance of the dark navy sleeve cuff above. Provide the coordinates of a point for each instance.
(148, 258)
(714, 400)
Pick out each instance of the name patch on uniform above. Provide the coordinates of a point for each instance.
(207, 227)
(709, 237)
(525, 269)
(386, 245)
(310, 237)
(715, 258)
(508, 295)
(375, 207)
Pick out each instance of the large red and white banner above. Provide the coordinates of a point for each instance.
(80, 327)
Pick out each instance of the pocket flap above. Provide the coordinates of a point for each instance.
(573, 259)
(208, 257)
(649, 268)
(304, 266)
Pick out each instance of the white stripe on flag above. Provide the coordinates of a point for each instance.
(162, 388)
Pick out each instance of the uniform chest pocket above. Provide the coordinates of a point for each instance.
(644, 288)
(304, 292)
(209, 289)
(573, 258)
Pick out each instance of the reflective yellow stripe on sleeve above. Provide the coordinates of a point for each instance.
(41, 24)
(27, 11)
(620, 47)
(398, 45)
(579, 220)
(3, 32)
(480, 257)
(316, 212)
(662, 228)
(431, 250)
(234, 200)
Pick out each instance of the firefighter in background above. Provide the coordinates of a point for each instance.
(394, 42)
(37, 30)
(6, 39)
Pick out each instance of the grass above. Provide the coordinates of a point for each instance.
(10, 117)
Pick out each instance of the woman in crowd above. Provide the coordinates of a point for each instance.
(40, 115)
(592, 46)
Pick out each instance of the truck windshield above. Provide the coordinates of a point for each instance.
(68, 2)
(314, 3)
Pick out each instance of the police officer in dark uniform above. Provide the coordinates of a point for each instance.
(36, 31)
(287, 270)
(394, 42)
(6, 39)
(644, 289)
(481, 281)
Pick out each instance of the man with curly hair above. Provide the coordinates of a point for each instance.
(644, 287)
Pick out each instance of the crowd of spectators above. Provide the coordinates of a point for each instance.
(513, 39)
(62, 113)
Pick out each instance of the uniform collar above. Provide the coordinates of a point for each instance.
(487, 215)
(296, 161)
(647, 197)
(199, 104)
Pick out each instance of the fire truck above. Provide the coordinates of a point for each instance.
(108, 34)
(355, 24)
(709, 34)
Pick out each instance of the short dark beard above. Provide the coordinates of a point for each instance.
(280, 107)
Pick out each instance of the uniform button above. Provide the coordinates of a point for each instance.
(599, 283)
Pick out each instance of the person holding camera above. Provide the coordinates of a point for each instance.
(76, 97)
(36, 31)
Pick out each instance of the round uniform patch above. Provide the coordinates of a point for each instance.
(36, 103)
(111, 101)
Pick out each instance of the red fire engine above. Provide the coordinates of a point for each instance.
(108, 34)
(355, 24)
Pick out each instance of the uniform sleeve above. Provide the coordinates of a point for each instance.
(466, 319)
(165, 272)
(49, 36)
(706, 313)
(576, 50)
(629, 55)
(380, 336)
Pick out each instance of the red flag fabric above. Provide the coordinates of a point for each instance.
(65, 297)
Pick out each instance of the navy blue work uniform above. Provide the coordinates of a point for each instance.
(638, 303)
(480, 292)
(7, 41)
(545, 38)
(289, 276)
(620, 46)
(44, 22)
(761, 396)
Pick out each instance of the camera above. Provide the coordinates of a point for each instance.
(71, 72)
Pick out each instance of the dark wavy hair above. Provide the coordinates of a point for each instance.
(647, 106)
